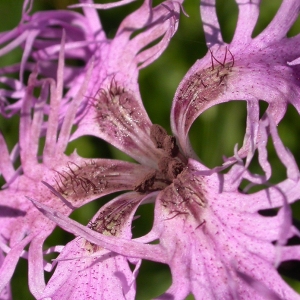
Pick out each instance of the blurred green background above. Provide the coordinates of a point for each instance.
(213, 135)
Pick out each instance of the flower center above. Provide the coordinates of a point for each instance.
(170, 163)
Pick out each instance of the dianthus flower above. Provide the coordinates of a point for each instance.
(48, 40)
(212, 234)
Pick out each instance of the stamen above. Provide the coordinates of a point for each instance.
(157, 135)
(146, 184)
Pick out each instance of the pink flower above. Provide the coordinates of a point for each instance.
(212, 235)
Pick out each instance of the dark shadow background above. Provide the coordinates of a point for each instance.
(213, 135)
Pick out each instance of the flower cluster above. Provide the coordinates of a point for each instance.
(219, 239)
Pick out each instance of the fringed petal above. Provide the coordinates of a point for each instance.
(103, 6)
(247, 69)
(119, 245)
(210, 23)
(82, 180)
(116, 113)
(248, 15)
(5, 294)
(82, 275)
(86, 270)
(216, 245)
(36, 279)
(8, 266)
(117, 116)
(6, 166)
(282, 22)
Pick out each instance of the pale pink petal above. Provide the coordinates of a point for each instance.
(246, 69)
(211, 24)
(282, 22)
(86, 270)
(247, 18)
(216, 246)
(81, 180)
(122, 246)
(116, 113)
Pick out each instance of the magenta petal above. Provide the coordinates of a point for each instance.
(210, 243)
(210, 23)
(117, 116)
(6, 166)
(87, 270)
(103, 6)
(81, 276)
(20, 219)
(284, 19)
(259, 287)
(283, 153)
(247, 18)
(82, 180)
(246, 69)
(118, 245)
(169, 11)
(116, 113)
(41, 33)
(36, 263)
(290, 253)
(8, 266)
(5, 294)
